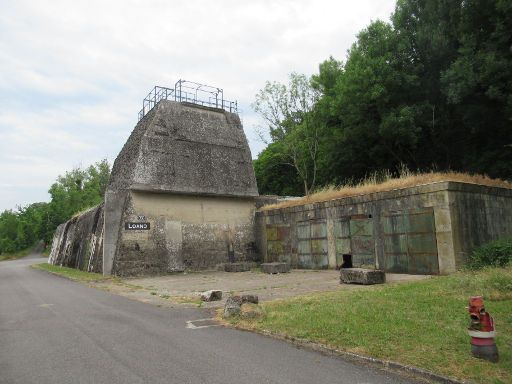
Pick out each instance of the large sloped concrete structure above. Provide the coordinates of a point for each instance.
(187, 172)
(181, 196)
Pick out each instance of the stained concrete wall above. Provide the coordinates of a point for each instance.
(186, 232)
(464, 216)
(180, 149)
(478, 215)
(78, 243)
(187, 171)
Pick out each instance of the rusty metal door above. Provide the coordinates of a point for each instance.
(278, 243)
(410, 244)
(362, 241)
(312, 244)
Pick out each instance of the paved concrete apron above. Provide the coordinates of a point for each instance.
(53, 330)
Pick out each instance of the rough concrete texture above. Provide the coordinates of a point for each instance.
(188, 172)
(211, 295)
(362, 276)
(78, 243)
(427, 229)
(232, 307)
(186, 149)
(275, 267)
(237, 267)
(186, 233)
(185, 171)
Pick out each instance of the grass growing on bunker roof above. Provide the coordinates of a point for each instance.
(385, 181)
(421, 323)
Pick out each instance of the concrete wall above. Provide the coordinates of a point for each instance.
(442, 221)
(78, 243)
(185, 171)
(186, 232)
(180, 149)
(479, 214)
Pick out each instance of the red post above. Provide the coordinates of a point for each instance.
(481, 330)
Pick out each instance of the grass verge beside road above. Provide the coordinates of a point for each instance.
(72, 273)
(420, 323)
(16, 255)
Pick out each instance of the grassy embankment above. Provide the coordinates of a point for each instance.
(385, 181)
(419, 323)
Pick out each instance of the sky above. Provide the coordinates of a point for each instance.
(73, 74)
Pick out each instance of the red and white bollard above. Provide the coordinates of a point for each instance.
(481, 330)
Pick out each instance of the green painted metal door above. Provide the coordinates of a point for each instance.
(312, 244)
(354, 236)
(410, 244)
(362, 241)
(278, 243)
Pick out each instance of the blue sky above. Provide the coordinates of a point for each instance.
(73, 73)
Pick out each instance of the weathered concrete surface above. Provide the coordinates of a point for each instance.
(232, 307)
(275, 267)
(187, 171)
(427, 229)
(237, 267)
(362, 276)
(211, 295)
(186, 149)
(183, 289)
(78, 243)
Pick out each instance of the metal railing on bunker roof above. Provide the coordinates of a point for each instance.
(189, 92)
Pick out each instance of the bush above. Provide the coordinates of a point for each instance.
(497, 253)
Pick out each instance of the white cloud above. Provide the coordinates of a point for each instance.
(73, 74)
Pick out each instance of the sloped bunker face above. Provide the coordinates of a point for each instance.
(189, 189)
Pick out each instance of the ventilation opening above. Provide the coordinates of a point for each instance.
(347, 261)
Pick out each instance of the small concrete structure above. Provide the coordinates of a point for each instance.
(426, 229)
(275, 267)
(237, 267)
(362, 276)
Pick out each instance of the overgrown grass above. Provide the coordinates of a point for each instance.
(385, 181)
(16, 255)
(72, 273)
(419, 323)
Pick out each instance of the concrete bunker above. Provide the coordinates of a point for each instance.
(181, 194)
(427, 229)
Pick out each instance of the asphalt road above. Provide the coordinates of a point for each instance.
(53, 330)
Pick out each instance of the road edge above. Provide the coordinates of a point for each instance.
(393, 366)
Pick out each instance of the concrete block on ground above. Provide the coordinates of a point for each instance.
(275, 267)
(211, 295)
(233, 306)
(250, 299)
(362, 276)
(237, 267)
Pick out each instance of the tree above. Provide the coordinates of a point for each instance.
(288, 112)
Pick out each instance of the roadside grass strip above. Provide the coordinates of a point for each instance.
(72, 273)
(423, 323)
(16, 255)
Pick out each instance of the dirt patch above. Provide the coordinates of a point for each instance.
(184, 289)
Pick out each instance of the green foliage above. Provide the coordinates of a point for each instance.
(75, 191)
(431, 88)
(495, 253)
(274, 175)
